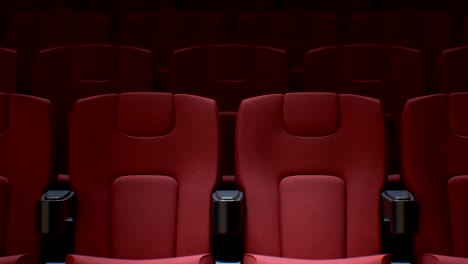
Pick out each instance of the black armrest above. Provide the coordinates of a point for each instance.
(401, 211)
(55, 224)
(227, 218)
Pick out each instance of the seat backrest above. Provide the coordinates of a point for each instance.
(391, 74)
(434, 147)
(27, 33)
(295, 31)
(143, 166)
(311, 166)
(165, 31)
(228, 73)
(453, 65)
(26, 154)
(428, 32)
(9, 64)
(66, 74)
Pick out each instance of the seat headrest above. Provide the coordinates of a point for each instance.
(145, 114)
(311, 114)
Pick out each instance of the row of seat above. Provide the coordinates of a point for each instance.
(143, 167)
(294, 31)
(231, 73)
(239, 5)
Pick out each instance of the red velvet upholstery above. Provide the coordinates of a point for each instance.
(295, 31)
(25, 170)
(452, 67)
(438, 259)
(434, 130)
(66, 74)
(311, 178)
(259, 259)
(228, 73)
(197, 259)
(429, 32)
(391, 74)
(19, 259)
(8, 70)
(143, 166)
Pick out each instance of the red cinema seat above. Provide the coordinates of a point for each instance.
(28, 33)
(295, 31)
(434, 143)
(311, 166)
(25, 172)
(428, 32)
(143, 166)
(66, 74)
(453, 66)
(9, 65)
(390, 74)
(165, 31)
(228, 74)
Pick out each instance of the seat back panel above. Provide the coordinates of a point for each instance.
(100, 153)
(313, 213)
(144, 212)
(355, 153)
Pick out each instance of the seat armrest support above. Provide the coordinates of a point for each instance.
(401, 211)
(227, 218)
(55, 224)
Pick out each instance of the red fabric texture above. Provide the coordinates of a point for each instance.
(452, 77)
(26, 160)
(66, 74)
(228, 73)
(19, 259)
(438, 259)
(345, 168)
(376, 259)
(390, 74)
(176, 171)
(196, 259)
(295, 31)
(435, 170)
